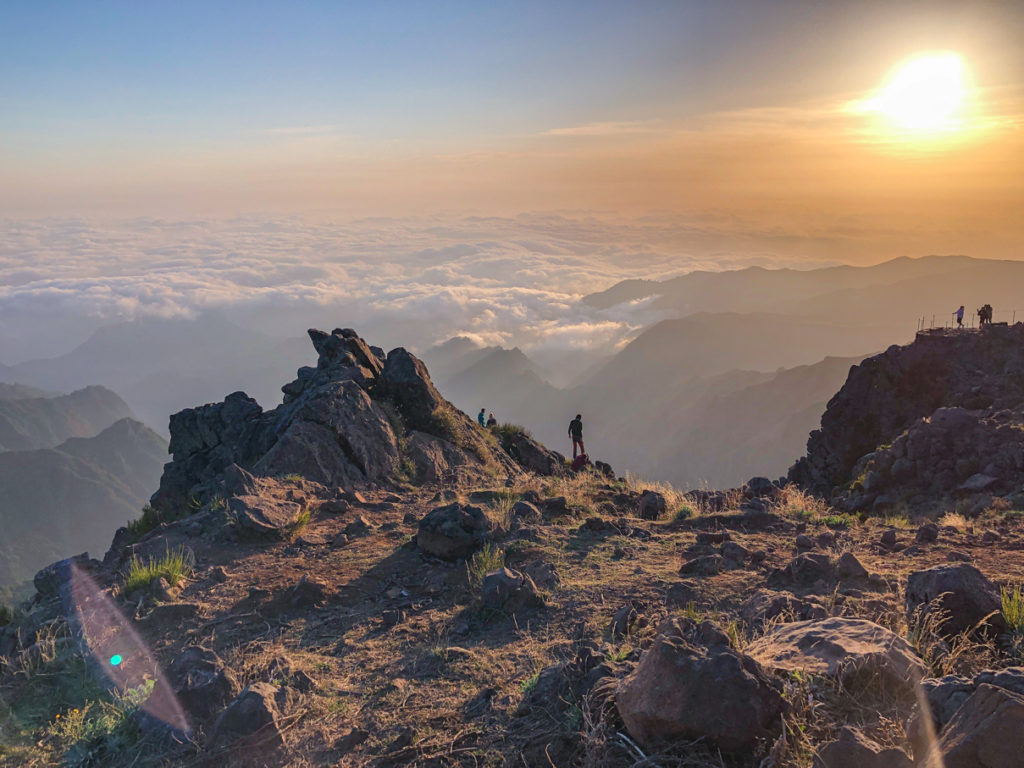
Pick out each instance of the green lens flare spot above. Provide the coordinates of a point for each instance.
(115, 660)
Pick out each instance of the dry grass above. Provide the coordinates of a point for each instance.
(674, 498)
(956, 520)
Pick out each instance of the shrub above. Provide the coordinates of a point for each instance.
(1013, 615)
(150, 519)
(173, 566)
(488, 558)
(506, 432)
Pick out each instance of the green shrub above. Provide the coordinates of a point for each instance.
(100, 730)
(173, 566)
(685, 512)
(508, 431)
(149, 520)
(529, 684)
(489, 558)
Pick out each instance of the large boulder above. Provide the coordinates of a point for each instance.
(765, 605)
(804, 570)
(986, 732)
(510, 591)
(960, 591)
(265, 515)
(201, 682)
(454, 531)
(250, 721)
(855, 651)
(651, 506)
(531, 455)
(692, 685)
(855, 750)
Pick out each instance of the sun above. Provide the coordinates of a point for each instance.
(924, 95)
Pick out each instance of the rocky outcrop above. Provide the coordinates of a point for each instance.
(353, 420)
(855, 750)
(692, 685)
(924, 420)
(531, 455)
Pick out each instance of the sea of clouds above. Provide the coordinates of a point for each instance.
(414, 281)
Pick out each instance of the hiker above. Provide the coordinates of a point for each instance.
(576, 433)
(491, 421)
(960, 317)
(480, 418)
(985, 315)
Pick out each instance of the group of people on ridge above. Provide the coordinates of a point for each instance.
(575, 431)
(984, 315)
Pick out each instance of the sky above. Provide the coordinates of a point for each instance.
(160, 158)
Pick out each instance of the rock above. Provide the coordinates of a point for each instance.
(251, 720)
(163, 591)
(985, 732)
(849, 568)
(759, 486)
(765, 605)
(510, 591)
(548, 693)
(960, 591)
(556, 506)
(651, 506)
(888, 539)
(55, 578)
(854, 651)
(805, 570)
(854, 750)
(219, 575)
(454, 531)
(804, 542)
(308, 592)
(361, 526)
(265, 516)
(340, 540)
(990, 537)
(526, 511)
(624, 620)
(335, 507)
(201, 682)
(531, 455)
(927, 534)
(706, 565)
(682, 593)
(735, 552)
(825, 540)
(691, 685)
(544, 574)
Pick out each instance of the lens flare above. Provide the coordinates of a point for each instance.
(109, 637)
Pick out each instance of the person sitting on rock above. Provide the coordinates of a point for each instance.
(576, 433)
(481, 418)
(491, 421)
(960, 317)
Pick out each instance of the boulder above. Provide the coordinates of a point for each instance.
(986, 732)
(855, 750)
(706, 565)
(849, 568)
(453, 531)
(851, 650)
(651, 506)
(55, 578)
(960, 591)
(265, 515)
(526, 511)
(765, 605)
(510, 591)
(927, 533)
(692, 685)
(804, 542)
(531, 455)
(308, 592)
(804, 570)
(251, 720)
(201, 682)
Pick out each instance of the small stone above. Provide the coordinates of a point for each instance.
(804, 542)
(358, 527)
(848, 567)
(990, 537)
(340, 540)
(927, 533)
(219, 575)
(888, 539)
(335, 507)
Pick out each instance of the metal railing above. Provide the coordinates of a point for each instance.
(932, 322)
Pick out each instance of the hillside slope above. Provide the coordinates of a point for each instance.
(29, 422)
(60, 501)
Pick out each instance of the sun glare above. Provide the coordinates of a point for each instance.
(924, 95)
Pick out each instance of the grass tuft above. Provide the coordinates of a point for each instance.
(173, 566)
(489, 558)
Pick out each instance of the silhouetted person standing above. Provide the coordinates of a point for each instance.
(960, 317)
(576, 433)
(481, 418)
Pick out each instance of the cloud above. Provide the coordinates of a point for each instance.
(621, 128)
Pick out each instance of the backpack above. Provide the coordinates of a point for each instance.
(580, 462)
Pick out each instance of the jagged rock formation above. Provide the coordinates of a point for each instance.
(923, 423)
(358, 418)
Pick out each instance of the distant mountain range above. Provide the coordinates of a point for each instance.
(29, 419)
(72, 468)
(731, 383)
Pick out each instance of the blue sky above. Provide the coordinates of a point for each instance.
(160, 99)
